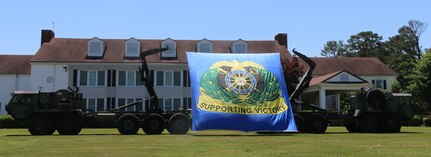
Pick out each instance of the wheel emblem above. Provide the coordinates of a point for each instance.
(242, 82)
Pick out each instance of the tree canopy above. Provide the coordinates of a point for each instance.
(420, 84)
(401, 52)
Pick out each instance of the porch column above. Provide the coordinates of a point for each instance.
(322, 98)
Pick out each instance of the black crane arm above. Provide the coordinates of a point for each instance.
(306, 79)
(147, 78)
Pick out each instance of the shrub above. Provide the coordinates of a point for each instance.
(6, 121)
(416, 121)
(427, 121)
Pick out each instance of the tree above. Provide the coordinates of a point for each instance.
(366, 44)
(421, 82)
(408, 38)
(403, 51)
(292, 70)
(334, 49)
(414, 33)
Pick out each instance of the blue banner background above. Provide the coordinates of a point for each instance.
(206, 120)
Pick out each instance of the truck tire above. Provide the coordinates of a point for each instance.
(368, 124)
(391, 124)
(318, 124)
(40, 124)
(299, 123)
(128, 124)
(350, 126)
(153, 124)
(179, 123)
(69, 125)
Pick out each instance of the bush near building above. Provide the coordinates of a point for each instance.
(417, 120)
(6, 121)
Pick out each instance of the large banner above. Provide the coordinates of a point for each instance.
(245, 92)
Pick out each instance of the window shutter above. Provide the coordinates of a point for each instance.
(108, 103)
(384, 84)
(185, 103)
(151, 77)
(109, 79)
(75, 78)
(188, 78)
(113, 102)
(374, 82)
(184, 78)
(114, 78)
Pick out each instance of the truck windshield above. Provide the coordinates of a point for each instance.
(20, 99)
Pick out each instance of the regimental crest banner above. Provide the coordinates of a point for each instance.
(245, 92)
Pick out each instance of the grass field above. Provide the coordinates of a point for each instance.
(413, 141)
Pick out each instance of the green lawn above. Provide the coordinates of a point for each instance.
(413, 141)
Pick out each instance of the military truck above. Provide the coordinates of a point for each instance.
(46, 112)
(371, 110)
(153, 120)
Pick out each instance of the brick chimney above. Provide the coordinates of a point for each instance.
(281, 38)
(47, 35)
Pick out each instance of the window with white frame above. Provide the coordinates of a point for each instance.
(95, 47)
(204, 46)
(172, 51)
(239, 46)
(138, 107)
(170, 104)
(168, 78)
(94, 104)
(379, 83)
(92, 78)
(129, 78)
(132, 47)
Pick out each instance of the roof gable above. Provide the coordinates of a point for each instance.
(339, 77)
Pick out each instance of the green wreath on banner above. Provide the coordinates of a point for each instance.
(245, 83)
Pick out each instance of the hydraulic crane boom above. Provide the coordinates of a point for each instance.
(305, 81)
(147, 79)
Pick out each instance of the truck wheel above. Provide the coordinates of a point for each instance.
(128, 124)
(369, 124)
(153, 124)
(318, 125)
(350, 126)
(391, 124)
(179, 123)
(40, 125)
(299, 123)
(69, 125)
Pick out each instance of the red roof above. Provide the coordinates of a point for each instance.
(355, 65)
(15, 64)
(75, 50)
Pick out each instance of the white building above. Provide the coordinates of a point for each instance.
(14, 75)
(106, 70)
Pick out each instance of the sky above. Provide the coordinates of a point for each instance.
(309, 24)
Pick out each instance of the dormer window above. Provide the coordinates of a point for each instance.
(171, 53)
(204, 46)
(132, 48)
(95, 47)
(239, 46)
